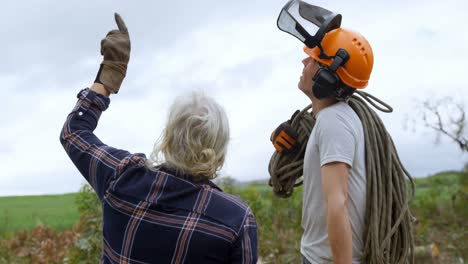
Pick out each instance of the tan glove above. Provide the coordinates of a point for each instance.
(115, 48)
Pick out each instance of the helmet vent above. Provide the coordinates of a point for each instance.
(365, 56)
(359, 45)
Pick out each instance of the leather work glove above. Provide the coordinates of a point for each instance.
(115, 48)
(284, 139)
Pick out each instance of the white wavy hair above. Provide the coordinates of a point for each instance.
(195, 138)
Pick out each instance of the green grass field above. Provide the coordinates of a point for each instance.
(60, 212)
(439, 206)
(25, 212)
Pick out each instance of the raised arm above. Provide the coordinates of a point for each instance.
(96, 161)
(100, 89)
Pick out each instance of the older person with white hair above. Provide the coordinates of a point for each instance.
(164, 209)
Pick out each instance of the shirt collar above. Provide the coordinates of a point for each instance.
(189, 177)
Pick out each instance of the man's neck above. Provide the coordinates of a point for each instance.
(319, 105)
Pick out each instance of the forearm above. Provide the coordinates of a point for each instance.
(77, 135)
(96, 161)
(339, 232)
(85, 115)
(100, 89)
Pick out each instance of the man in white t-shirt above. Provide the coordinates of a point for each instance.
(334, 194)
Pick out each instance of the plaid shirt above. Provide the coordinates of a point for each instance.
(155, 216)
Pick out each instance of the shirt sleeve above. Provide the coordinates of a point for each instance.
(245, 247)
(336, 140)
(97, 162)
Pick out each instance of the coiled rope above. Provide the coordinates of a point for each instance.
(388, 238)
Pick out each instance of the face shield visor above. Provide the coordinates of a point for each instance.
(307, 22)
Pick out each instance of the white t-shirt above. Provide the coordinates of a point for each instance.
(337, 136)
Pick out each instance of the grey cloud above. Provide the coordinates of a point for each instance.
(60, 181)
(252, 73)
(5, 148)
(422, 157)
(425, 33)
(47, 40)
(50, 45)
(60, 32)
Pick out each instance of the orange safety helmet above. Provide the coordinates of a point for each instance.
(356, 71)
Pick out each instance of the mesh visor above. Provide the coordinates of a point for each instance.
(307, 22)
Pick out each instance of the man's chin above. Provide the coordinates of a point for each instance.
(300, 85)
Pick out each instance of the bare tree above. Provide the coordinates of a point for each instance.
(446, 116)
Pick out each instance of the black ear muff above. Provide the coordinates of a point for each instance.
(325, 82)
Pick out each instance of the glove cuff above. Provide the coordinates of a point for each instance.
(111, 75)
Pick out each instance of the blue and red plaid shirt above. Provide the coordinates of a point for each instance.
(155, 216)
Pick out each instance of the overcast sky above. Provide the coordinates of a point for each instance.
(234, 52)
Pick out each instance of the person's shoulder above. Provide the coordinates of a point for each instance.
(230, 200)
(336, 109)
(341, 111)
(329, 114)
(228, 209)
(338, 117)
(132, 161)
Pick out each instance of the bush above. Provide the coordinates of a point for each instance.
(41, 245)
(82, 244)
(440, 207)
(88, 244)
(278, 221)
